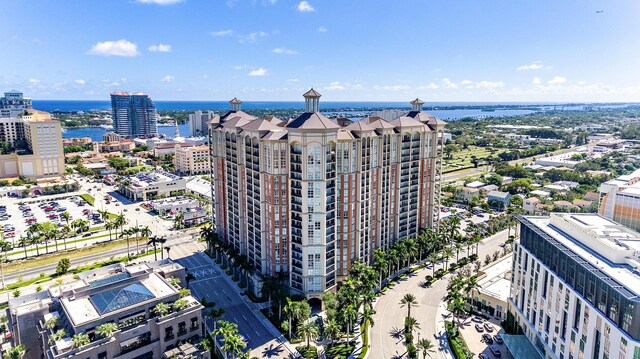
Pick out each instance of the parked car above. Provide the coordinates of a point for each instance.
(495, 351)
(479, 328)
(483, 356)
(488, 327)
(477, 319)
(487, 338)
(498, 339)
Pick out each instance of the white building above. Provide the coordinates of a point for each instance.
(13, 104)
(192, 160)
(146, 186)
(620, 200)
(576, 286)
(199, 122)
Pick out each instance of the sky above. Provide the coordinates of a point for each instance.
(349, 50)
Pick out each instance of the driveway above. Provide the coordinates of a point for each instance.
(386, 335)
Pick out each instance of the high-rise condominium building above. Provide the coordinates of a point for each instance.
(13, 104)
(620, 200)
(199, 122)
(35, 143)
(575, 287)
(306, 198)
(134, 115)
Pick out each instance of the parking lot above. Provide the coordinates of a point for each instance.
(212, 284)
(20, 215)
(473, 330)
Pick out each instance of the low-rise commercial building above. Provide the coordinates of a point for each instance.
(129, 297)
(192, 160)
(502, 198)
(576, 286)
(494, 286)
(77, 141)
(146, 186)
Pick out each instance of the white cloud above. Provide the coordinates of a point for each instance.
(533, 66)
(490, 84)
(556, 80)
(293, 80)
(322, 29)
(391, 87)
(582, 82)
(284, 51)
(429, 86)
(80, 82)
(205, 76)
(304, 6)
(114, 84)
(115, 48)
(34, 81)
(251, 37)
(159, 2)
(222, 33)
(167, 78)
(333, 86)
(160, 48)
(536, 81)
(258, 72)
(449, 84)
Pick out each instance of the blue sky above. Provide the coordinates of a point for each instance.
(439, 50)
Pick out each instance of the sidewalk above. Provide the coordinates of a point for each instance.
(443, 343)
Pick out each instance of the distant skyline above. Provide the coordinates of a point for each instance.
(274, 50)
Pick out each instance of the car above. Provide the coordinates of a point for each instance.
(85, 211)
(483, 356)
(498, 339)
(488, 327)
(479, 328)
(86, 235)
(487, 339)
(477, 319)
(138, 209)
(10, 234)
(480, 215)
(61, 209)
(126, 210)
(495, 351)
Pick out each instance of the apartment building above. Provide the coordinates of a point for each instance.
(192, 160)
(199, 122)
(125, 296)
(134, 115)
(307, 197)
(575, 288)
(620, 200)
(14, 104)
(37, 151)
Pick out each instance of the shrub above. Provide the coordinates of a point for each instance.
(63, 266)
(310, 352)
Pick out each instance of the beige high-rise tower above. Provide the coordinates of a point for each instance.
(307, 197)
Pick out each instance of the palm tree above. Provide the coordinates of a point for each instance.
(411, 247)
(120, 221)
(51, 323)
(4, 247)
(24, 242)
(410, 301)
(307, 331)
(110, 226)
(456, 305)
(426, 346)
(367, 317)
(291, 309)
(161, 309)
(380, 262)
(181, 304)
(64, 234)
(106, 330)
(331, 330)
(350, 314)
(433, 260)
(17, 352)
(215, 314)
(58, 335)
(33, 234)
(178, 221)
(79, 340)
(233, 344)
(162, 241)
(104, 214)
(154, 242)
(448, 252)
(470, 286)
(66, 216)
(410, 323)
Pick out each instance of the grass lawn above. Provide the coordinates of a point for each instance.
(462, 159)
(34, 262)
(340, 351)
(88, 198)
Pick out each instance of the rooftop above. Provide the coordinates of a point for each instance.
(496, 281)
(144, 179)
(606, 245)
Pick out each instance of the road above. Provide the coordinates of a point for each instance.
(386, 335)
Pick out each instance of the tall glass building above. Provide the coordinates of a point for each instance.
(575, 288)
(134, 115)
(307, 197)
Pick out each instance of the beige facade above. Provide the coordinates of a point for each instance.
(308, 197)
(192, 160)
(43, 156)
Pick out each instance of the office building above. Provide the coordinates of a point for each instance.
(146, 186)
(37, 147)
(575, 288)
(13, 104)
(134, 115)
(306, 198)
(124, 296)
(620, 200)
(199, 122)
(192, 160)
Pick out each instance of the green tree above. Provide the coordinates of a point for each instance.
(308, 330)
(17, 352)
(409, 300)
(80, 340)
(63, 266)
(161, 309)
(426, 347)
(106, 330)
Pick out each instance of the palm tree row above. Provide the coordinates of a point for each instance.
(232, 343)
(227, 254)
(460, 290)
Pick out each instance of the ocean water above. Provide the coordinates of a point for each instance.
(96, 133)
